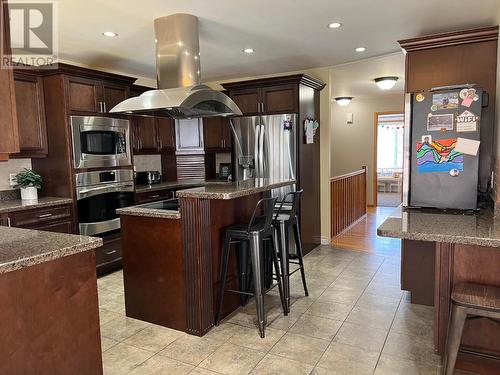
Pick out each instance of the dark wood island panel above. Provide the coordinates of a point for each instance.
(50, 319)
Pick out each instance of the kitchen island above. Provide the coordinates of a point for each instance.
(440, 250)
(172, 257)
(49, 311)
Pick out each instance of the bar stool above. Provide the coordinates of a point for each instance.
(468, 299)
(254, 233)
(282, 222)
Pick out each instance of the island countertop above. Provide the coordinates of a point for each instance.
(231, 190)
(20, 248)
(481, 229)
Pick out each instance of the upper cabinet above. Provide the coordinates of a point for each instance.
(145, 136)
(264, 97)
(166, 134)
(30, 115)
(216, 134)
(93, 95)
(9, 139)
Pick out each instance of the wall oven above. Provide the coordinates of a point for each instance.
(98, 196)
(100, 142)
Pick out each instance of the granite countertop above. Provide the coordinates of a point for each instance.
(175, 185)
(481, 229)
(20, 248)
(148, 212)
(231, 190)
(12, 205)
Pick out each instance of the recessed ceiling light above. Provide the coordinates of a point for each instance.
(343, 100)
(386, 83)
(249, 50)
(334, 25)
(360, 49)
(109, 33)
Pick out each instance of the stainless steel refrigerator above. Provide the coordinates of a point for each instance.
(265, 147)
(441, 131)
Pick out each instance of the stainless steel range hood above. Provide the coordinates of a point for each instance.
(180, 94)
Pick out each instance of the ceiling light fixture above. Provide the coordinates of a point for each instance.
(334, 25)
(343, 100)
(386, 83)
(109, 33)
(249, 50)
(360, 49)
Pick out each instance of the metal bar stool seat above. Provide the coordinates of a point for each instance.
(253, 234)
(468, 300)
(283, 220)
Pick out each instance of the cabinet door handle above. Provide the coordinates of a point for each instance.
(262, 107)
(104, 106)
(110, 252)
(8, 221)
(155, 196)
(100, 106)
(44, 215)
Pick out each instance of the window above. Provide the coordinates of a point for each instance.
(390, 131)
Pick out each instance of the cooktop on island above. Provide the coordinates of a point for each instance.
(168, 204)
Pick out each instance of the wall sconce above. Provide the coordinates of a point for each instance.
(386, 83)
(343, 100)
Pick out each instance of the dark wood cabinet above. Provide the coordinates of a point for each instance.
(266, 100)
(165, 129)
(9, 139)
(53, 219)
(4, 220)
(30, 115)
(216, 134)
(93, 95)
(145, 137)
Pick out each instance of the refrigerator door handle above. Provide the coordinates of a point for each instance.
(261, 151)
(256, 151)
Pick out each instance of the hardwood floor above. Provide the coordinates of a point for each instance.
(363, 235)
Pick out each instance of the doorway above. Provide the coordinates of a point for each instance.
(388, 158)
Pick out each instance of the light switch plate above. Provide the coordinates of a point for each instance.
(12, 179)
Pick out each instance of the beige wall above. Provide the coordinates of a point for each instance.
(325, 128)
(352, 144)
(11, 166)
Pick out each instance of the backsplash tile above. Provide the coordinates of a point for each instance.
(11, 166)
(147, 163)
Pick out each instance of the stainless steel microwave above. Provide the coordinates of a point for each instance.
(100, 142)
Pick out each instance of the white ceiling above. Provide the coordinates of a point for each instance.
(357, 79)
(286, 34)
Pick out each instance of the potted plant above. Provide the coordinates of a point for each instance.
(29, 182)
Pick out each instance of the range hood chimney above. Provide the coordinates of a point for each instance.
(180, 94)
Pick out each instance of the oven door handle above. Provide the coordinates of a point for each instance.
(88, 192)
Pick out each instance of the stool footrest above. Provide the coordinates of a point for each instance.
(238, 291)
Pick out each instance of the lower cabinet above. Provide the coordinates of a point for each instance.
(109, 257)
(53, 219)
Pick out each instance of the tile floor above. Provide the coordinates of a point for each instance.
(356, 320)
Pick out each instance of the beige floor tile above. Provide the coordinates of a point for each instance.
(232, 360)
(364, 337)
(274, 365)
(191, 349)
(340, 359)
(301, 348)
(202, 371)
(302, 304)
(338, 294)
(160, 365)
(153, 338)
(384, 290)
(314, 326)
(105, 316)
(351, 282)
(107, 343)
(371, 317)
(121, 358)
(285, 322)
(330, 310)
(122, 327)
(250, 338)
(389, 365)
(115, 302)
(416, 320)
(223, 332)
(411, 347)
(379, 302)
